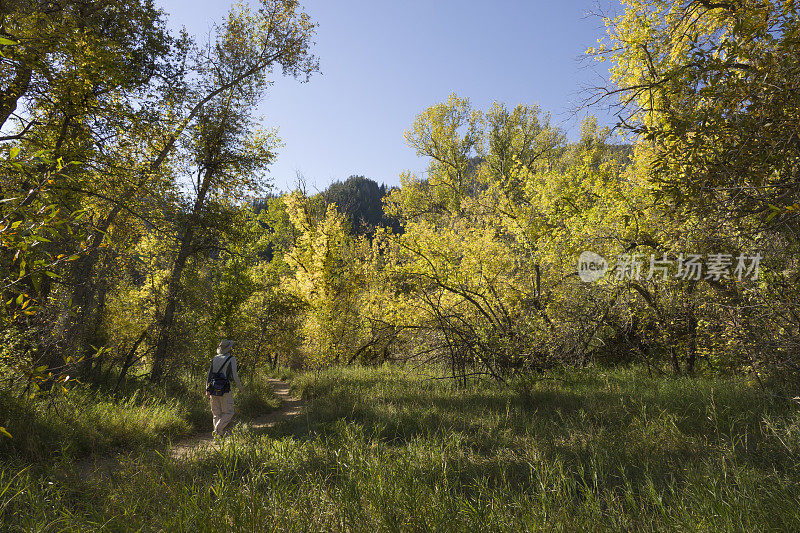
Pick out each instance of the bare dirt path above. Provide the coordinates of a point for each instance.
(290, 407)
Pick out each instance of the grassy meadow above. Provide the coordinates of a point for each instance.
(394, 449)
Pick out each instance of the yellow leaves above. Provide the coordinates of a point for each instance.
(598, 53)
(329, 268)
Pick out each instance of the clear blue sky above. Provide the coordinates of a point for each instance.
(384, 62)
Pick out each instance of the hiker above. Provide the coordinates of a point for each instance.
(218, 388)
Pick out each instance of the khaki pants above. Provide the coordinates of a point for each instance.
(222, 409)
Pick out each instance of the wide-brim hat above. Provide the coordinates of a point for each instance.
(225, 346)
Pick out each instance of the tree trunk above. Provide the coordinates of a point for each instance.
(691, 355)
(78, 332)
(168, 318)
(15, 90)
(129, 359)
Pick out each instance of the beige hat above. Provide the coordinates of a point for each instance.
(224, 346)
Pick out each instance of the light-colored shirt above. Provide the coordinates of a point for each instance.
(216, 366)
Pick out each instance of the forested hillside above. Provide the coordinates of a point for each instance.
(139, 225)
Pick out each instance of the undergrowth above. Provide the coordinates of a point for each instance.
(395, 450)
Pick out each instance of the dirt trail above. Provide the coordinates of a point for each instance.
(290, 407)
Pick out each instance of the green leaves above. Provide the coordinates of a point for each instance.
(328, 278)
(6, 42)
(715, 91)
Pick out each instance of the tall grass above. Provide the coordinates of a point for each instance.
(256, 397)
(391, 450)
(84, 421)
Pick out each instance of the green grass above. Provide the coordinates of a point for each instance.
(85, 421)
(256, 398)
(388, 449)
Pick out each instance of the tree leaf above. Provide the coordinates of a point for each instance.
(772, 215)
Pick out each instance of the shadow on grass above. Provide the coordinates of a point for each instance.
(675, 454)
(631, 432)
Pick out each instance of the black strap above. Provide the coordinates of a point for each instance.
(224, 364)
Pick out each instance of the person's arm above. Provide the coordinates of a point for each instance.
(234, 373)
(208, 379)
